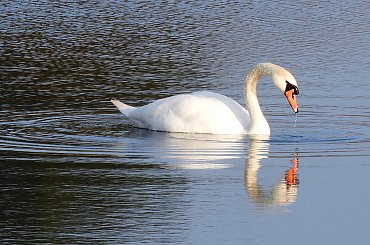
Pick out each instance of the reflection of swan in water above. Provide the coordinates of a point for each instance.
(284, 192)
(191, 151)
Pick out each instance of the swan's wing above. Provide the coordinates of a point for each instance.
(201, 112)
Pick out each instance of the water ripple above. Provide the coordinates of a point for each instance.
(90, 177)
(108, 137)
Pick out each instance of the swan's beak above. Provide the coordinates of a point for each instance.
(292, 99)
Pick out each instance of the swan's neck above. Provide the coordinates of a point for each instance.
(259, 124)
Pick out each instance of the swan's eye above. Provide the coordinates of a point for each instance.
(290, 86)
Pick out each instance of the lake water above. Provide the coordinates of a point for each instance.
(73, 170)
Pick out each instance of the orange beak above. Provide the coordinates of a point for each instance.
(292, 99)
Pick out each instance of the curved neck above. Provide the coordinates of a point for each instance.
(259, 123)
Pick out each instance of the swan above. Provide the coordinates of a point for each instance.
(213, 113)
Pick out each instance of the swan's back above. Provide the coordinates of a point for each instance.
(200, 112)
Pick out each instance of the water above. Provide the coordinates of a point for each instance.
(74, 171)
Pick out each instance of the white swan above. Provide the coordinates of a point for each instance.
(208, 112)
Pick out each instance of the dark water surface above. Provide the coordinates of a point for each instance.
(73, 170)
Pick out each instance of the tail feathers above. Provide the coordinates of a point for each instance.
(123, 108)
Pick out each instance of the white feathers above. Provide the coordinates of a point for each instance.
(199, 112)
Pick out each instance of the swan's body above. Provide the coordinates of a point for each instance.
(208, 112)
(199, 112)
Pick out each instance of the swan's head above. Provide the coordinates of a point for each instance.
(286, 83)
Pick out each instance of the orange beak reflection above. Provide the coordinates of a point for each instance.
(292, 99)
